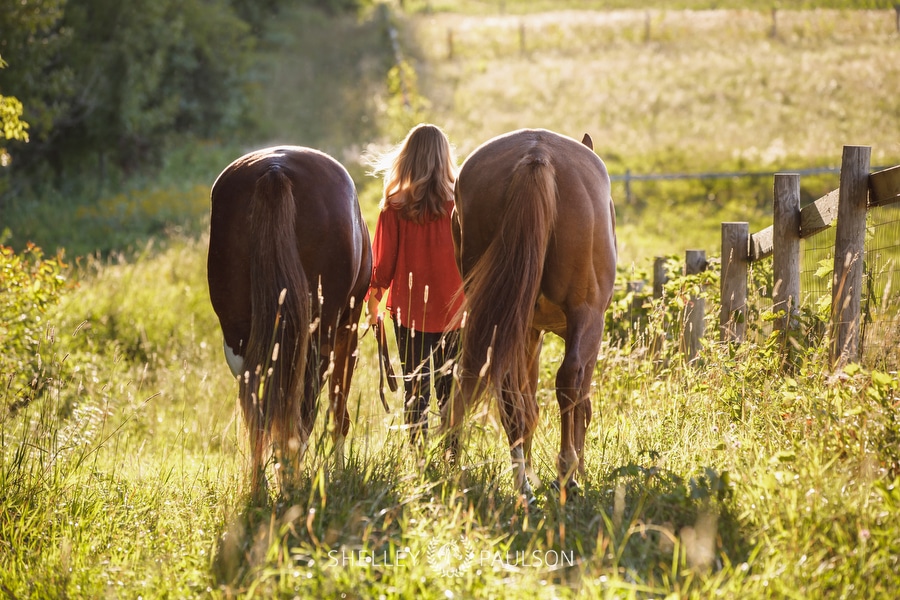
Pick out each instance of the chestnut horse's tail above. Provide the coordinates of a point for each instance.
(503, 286)
(279, 330)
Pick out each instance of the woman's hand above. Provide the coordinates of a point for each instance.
(372, 308)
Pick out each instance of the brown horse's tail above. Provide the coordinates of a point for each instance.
(275, 361)
(503, 286)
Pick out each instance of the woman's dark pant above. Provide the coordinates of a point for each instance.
(424, 357)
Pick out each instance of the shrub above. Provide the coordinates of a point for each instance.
(30, 284)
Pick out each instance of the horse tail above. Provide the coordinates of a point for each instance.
(279, 331)
(503, 286)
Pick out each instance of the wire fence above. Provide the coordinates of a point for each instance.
(880, 324)
(880, 319)
(628, 178)
(870, 203)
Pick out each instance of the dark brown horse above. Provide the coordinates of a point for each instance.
(289, 264)
(534, 229)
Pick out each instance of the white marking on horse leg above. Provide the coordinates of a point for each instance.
(304, 444)
(520, 473)
(235, 362)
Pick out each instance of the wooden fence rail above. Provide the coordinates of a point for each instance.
(859, 191)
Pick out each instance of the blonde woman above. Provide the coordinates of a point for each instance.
(414, 262)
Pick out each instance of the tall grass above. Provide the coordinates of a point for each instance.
(124, 477)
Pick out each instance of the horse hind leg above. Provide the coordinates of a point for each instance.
(583, 412)
(258, 439)
(520, 473)
(258, 484)
(573, 383)
(452, 416)
(519, 419)
(519, 414)
(343, 364)
(568, 398)
(289, 446)
(521, 455)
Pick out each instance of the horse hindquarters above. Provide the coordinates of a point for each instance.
(501, 290)
(285, 219)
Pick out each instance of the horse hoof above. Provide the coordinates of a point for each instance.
(527, 500)
(450, 455)
(572, 487)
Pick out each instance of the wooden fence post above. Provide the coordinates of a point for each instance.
(786, 249)
(849, 245)
(659, 276)
(627, 186)
(635, 288)
(694, 325)
(733, 282)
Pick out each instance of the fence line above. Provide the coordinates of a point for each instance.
(880, 327)
(647, 35)
(862, 298)
(859, 192)
(628, 177)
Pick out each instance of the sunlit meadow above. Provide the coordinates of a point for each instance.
(755, 471)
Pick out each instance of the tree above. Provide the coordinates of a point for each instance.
(30, 39)
(110, 80)
(106, 82)
(12, 127)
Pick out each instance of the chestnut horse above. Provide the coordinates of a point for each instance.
(534, 233)
(289, 263)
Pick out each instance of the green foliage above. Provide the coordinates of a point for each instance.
(406, 107)
(111, 314)
(116, 222)
(30, 286)
(12, 126)
(10, 119)
(638, 321)
(116, 80)
(340, 6)
(257, 13)
(111, 84)
(31, 37)
(336, 79)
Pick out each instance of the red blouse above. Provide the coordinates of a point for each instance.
(410, 257)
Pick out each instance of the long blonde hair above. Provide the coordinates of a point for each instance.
(419, 174)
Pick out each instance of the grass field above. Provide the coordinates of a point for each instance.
(702, 91)
(754, 473)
